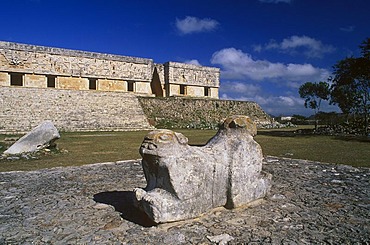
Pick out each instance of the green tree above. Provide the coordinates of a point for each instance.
(351, 84)
(314, 93)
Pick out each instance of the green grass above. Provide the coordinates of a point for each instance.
(84, 148)
(328, 149)
(94, 147)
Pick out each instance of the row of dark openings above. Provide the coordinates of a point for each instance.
(183, 90)
(93, 82)
(16, 79)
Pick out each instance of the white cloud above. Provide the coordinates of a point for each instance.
(275, 1)
(192, 62)
(239, 65)
(286, 105)
(257, 48)
(347, 28)
(239, 88)
(192, 24)
(275, 105)
(288, 101)
(310, 47)
(271, 101)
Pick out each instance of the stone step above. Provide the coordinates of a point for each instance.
(24, 108)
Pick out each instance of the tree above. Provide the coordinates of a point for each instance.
(314, 93)
(351, 84)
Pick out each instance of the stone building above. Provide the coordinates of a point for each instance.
(46, 67)
(86, 91)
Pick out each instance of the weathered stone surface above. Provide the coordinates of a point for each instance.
(22, 109)
(182, 112)
(222, 239)
(75, 69)
(42, 136)
(309, 203)
(185, 181)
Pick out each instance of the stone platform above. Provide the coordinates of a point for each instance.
(309, 203)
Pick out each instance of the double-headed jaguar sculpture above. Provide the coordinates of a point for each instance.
(186, 181)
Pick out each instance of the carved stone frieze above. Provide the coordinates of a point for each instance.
(75, 66)
(65, 62)
(187, 74)
(200, 81)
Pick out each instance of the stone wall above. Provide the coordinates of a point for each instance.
(21, 109)
(182, 112)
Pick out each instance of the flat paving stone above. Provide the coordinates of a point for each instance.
(309, 203)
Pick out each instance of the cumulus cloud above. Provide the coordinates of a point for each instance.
(275, 1)
(192, 62)
(257, 48)
(239, 88)
(272, 104)
(308, 46)
(282, 105)
(271, 100)
(239, 65)
(193, 24)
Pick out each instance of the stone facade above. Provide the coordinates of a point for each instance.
(46, 67)
(85, 91)
(187, 79)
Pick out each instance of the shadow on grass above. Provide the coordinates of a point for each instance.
(123, 202)
(280, 133)
(310, 133)
(353, 138)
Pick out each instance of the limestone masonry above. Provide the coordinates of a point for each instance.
(21, 109)
(46, 67)
(184, 112)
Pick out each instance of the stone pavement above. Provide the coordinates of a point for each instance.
(309, 203)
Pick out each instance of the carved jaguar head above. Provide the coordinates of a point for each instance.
(158, 141)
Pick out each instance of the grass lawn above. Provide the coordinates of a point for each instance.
(93, 147)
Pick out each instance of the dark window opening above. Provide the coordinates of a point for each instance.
(16, 79)
(207, 91)
(183, 89)
(92, 83)
(51, 81)
(130, 86)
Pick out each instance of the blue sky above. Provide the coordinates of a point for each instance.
(265, 48)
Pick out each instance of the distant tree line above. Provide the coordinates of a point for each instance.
(349, 88)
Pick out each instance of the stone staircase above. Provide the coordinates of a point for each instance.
(21, 109)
